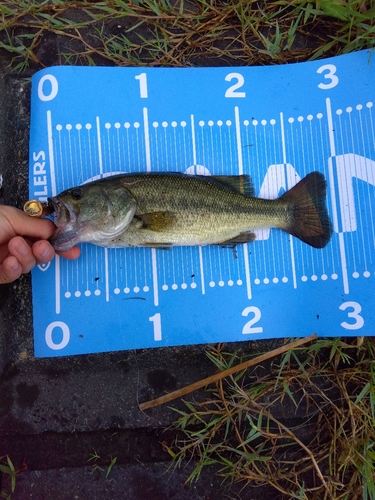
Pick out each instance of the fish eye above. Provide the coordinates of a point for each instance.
(76, 193)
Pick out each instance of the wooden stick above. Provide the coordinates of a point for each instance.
(214, 378)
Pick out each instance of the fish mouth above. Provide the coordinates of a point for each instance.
(62, 212)
(66, 234)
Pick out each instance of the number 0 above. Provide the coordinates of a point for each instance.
(65, 335)
(53, 91)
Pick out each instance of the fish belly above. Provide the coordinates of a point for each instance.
(189, 230)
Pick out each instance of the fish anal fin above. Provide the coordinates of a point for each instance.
(155, 221)
(308, 217)
(240, 238)
(239, 183)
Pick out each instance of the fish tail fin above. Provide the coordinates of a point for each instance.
(308, 217)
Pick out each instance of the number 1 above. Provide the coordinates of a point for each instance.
(142, 85)
(156, 319)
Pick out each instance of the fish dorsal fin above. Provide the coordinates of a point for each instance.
(239, 183)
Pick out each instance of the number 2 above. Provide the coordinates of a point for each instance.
(249, 328)
(331, 68)
(355, 314)
(232, 91)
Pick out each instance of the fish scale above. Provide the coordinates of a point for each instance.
(204, 212)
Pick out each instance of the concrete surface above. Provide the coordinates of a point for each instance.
(55, 412)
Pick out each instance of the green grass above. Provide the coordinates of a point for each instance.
(181, 33)
(95, 460)
(9, 474)
(240, 427)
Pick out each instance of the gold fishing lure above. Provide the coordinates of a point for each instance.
(35, 208)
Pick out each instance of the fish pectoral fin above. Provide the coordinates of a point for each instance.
(155, 221)
(238, 183)
(240, 238)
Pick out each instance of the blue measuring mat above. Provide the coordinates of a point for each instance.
(274, 123)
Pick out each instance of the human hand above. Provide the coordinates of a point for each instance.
(23, 243)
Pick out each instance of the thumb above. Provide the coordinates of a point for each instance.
(24, 225)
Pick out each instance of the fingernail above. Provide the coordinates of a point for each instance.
(46, 253)
(23, 249)
(15, 266)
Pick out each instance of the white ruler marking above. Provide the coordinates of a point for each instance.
(148, 168)
(100, 157)
(53, 187)
(201, 270)
(155, 276)
(51, 154)
(333, 195)
(194, 147)
(193, 143)
(238, 139)
(293, 262)
(330, 128)
(247, 271)
(240, 172)
(287, 186)
(343, 263)
(106, 274)
(283, 146)
(366, 155)
(147, 139)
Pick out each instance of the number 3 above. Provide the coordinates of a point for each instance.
(355, 314)
(331, 68)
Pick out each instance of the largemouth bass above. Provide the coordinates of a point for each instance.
(161, 210)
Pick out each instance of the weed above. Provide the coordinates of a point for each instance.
(7, 468)
(95, 460)
(110, 466)
(166, 33)
(242, 429)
